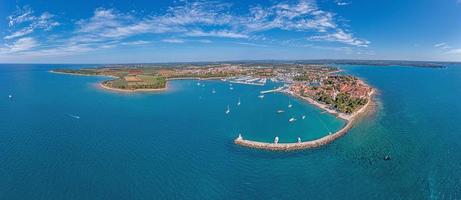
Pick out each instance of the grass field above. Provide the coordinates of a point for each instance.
(138, 82)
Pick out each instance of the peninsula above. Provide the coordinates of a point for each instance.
(344, 96)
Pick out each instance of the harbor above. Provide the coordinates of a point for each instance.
(300, 145)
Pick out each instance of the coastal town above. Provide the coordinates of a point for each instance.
(323, 86)
(342, 93)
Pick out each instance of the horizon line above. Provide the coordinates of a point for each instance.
(233, 61)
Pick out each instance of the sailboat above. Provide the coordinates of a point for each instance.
(238, 103)
(228, 110)
(261, 96)
(289, 104)
(303, 117)
(280, 111)
(213, 91)
(10, 96)
(292, 119)
(198, 83)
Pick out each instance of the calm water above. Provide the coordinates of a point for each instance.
(178, 144)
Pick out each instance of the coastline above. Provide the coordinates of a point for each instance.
(101, 85)
(151, 90)
(75, 74)
(350, 121)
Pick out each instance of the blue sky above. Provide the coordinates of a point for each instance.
(74, 31)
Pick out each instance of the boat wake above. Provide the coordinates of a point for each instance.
(74, 116)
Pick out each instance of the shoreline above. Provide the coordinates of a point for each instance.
(151, 90)
(349, 118)
(350, 121)
(75, 74)
(101, 85)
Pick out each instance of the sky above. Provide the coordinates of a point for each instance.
(142, 31)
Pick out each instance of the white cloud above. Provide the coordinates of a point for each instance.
(214, 33)
(23, 22)
(251, 44)
(342, 3)
(172, 40)
(135, 43)
(302, 16)
(343, 37)
(442, 45)
(189, 21)
(20, 45)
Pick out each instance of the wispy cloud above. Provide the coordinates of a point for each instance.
(24, 22)
(442, 45)
(343, 37)
(214, 33)
(173, 40)
(185, 21)
(447, 49)
(251, 44)
(20, 45)
(342, 3)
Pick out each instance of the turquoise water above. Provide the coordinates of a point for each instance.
(178, 144)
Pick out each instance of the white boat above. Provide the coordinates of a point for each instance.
(74, 116)
(292, 119)
(303, 117)
(280, 111)
(10, 96)
(238, 103)
(276, 140)
(231, 88)
(289, 104)
(228, 110)
(261, 96)
(198, 83)
(213, 91)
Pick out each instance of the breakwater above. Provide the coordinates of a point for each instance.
(276, 146)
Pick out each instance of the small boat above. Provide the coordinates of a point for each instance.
(280, 111)
(198, 83)
(303, 117)
(276, 140)
(238, 103)
(228, 110)
(74, 116)
(10, 96)
(292, 119)
(231, 88)
(261, 96)
(213, 91)
(387, 157)
(289, 104)
(299, 140)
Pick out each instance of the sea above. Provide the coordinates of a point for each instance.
(63, 137)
